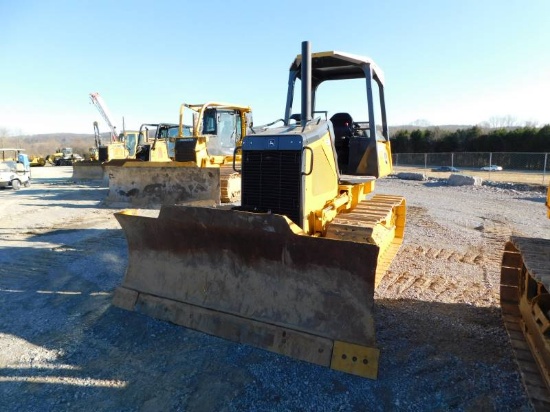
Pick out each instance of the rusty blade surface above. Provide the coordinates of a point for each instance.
(87, 170)
(254, 266)
(152, 184)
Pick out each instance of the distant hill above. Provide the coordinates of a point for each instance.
(44, 144)
(48, 143)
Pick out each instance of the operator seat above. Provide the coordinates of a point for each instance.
(297, 117)
(342, 124)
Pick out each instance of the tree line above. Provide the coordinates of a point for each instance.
(472, 139)
(46, 144)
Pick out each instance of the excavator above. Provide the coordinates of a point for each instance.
(294, 267)
(132, 144)
(93, 152)
(525, 303)
(116, 148)
(201, 171)
(120, 145)
(64, 156)
(124, 147)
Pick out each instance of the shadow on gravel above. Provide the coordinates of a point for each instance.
(53, 195)
(34, 189)
(63, 181)
(52, 180)
(74, 235)
(98, 205)
(436, 183)
(541, 199)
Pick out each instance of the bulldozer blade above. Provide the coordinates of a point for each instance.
(87, 170)
(254, 279)
(152, 184)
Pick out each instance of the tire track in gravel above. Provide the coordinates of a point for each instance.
(441, 273)
(495, 233)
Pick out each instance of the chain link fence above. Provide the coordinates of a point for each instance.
(516, 167)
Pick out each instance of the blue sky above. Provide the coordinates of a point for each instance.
(445, 62)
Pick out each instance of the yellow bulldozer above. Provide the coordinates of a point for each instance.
(36, 161)
(63, 157)
(128, 145)
(201, 170)
(91, 167)
(525, 302)
(294, 267)
(218, 130)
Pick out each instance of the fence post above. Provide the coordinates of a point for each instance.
(425, 160)
(452, 159)
(544, 167)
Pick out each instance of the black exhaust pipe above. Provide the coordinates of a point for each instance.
(306, 84)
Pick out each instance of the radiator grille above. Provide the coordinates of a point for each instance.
(103, 153)
(185, 150)
(271, 181)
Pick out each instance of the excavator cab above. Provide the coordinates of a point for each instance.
(152, 149)
(293, 268)
(168, 132)
(218, 129)
(224, 127)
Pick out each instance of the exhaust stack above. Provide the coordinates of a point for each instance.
(306, 83)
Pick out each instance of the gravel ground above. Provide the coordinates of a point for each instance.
(63, 346)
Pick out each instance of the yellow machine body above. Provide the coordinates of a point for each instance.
(187, 177)
(293, 268)
(37, 161)
(131, 146)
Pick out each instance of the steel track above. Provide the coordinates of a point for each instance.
(524, 286)
(379, 220)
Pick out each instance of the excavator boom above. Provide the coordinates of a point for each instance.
(93, 169)
(101, 107)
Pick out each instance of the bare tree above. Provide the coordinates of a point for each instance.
(421, 123)
(500, 122)
(3, 136)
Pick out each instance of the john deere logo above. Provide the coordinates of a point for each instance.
(271, 143)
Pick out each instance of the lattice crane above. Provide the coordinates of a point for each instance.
(101, 107)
